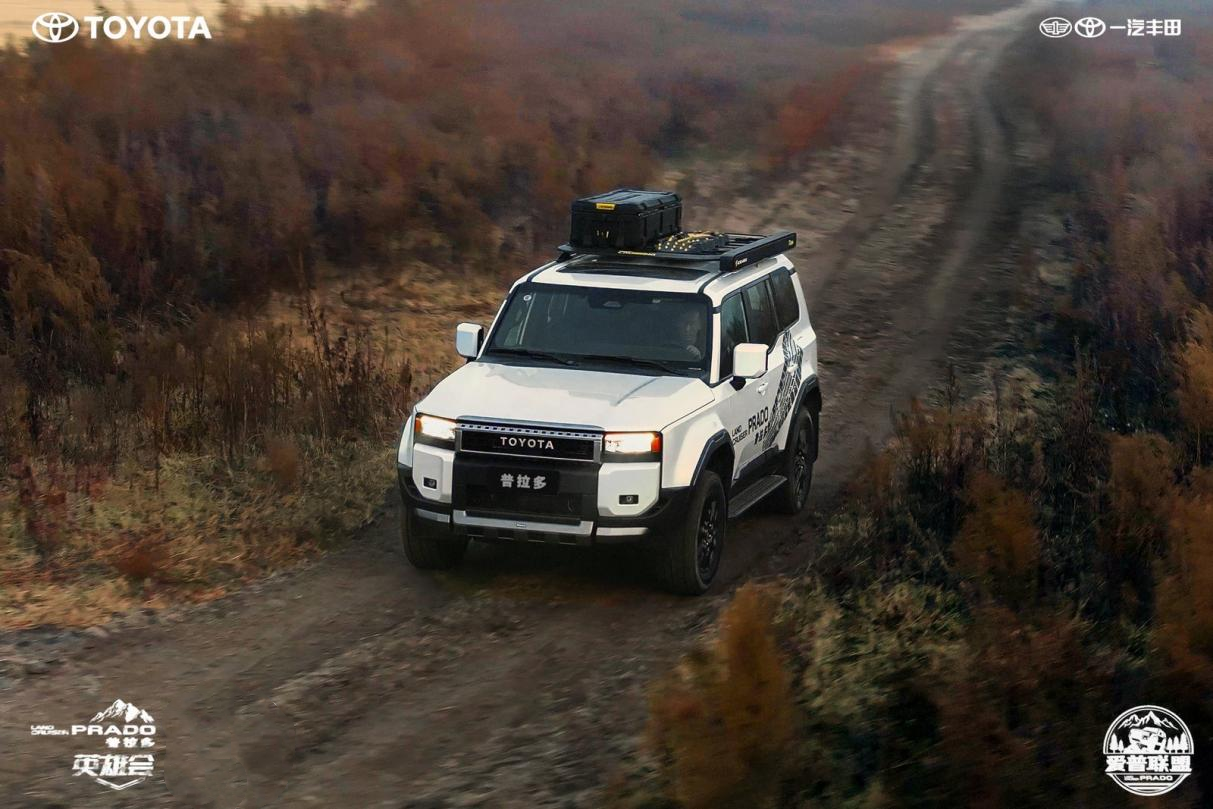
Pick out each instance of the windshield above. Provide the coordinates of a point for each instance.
(644, 332)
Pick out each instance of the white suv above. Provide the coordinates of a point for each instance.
(621, 396)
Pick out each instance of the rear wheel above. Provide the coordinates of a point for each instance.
(791, 497)
(692, 553)
(427, 548)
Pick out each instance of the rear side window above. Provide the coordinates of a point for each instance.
(786, 305)
(760, 313)
(732, 332)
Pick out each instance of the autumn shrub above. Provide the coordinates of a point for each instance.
(14, 405)
(811, 111)
(140, 558)
(1184, 623)
(995, 587)
(1195, 360)
(283, 460)
(998, 543)
(1020, 713)
(721, 721)
(41, 500)
(906, 502)
(1141, 480)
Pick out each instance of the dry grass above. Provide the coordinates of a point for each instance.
(1195, 360)
(998, 544)
(1185, 593)
(205, 528)
(284, 462)
(721, 721)
(227, 449)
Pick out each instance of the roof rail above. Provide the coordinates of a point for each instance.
(739, 250)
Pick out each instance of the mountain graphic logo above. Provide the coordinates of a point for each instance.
(124, 712)
(1150, 718)
(1148, 750)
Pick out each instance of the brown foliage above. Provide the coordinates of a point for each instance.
(911, 496)
(1017, 715)
(998, 544)
(1185, 593)
(805, 118)
(1195, 360)
(1141, 481)
(141, 558)
(284, 462)
(722, 720)
(42, 503)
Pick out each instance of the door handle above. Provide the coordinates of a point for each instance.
(762, 388)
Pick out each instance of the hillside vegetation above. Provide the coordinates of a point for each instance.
(1003, 580)
(161, 435)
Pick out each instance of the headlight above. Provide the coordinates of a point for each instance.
(632, 446)
(434, 431)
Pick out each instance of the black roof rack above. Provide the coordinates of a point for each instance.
(739, 250)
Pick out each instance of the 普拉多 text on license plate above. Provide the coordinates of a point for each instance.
(526, 481)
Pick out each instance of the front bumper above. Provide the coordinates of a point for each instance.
(580, 523)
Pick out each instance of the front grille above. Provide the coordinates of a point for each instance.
(554, 507)
(529, 442)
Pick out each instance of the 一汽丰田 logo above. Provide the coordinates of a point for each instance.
(55, 26)
(1090, 27)
(1055, 27)
(1148, 750)
(128, 735)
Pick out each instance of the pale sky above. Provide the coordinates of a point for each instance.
(16, 16)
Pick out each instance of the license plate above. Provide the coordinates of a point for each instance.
(515, 480)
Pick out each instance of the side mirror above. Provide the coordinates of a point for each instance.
(749, 360)
(468, 337)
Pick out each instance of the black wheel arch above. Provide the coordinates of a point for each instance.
(717, 455)
(810, 399)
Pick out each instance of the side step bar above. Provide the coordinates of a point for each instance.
(744, 500)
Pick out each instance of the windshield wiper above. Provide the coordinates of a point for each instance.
(532, 353)
(658, 364)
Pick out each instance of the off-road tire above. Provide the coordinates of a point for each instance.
(685, 564)
(425, 547)
(791, 497)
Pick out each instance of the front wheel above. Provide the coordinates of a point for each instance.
(692, 553)
(791, 497)
(425, 547)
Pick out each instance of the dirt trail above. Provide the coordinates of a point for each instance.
(519, 680)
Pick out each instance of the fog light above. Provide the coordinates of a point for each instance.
(429, 483)
(629, 499)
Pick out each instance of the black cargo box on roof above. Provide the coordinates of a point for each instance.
(625, 219)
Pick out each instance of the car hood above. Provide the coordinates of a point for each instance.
(598, 399)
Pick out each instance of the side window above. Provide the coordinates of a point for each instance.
(786, 305)
(732, 332)
(760, 313)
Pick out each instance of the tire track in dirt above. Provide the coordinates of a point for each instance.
(520, 680)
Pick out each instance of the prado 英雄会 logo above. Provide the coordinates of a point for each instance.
(122, 738)
(1148, 750)
(56, 26)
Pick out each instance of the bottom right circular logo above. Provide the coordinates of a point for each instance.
(1148, 750)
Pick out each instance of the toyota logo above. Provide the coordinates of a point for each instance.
(1090, 27)
(55, 26)
(1055, 27)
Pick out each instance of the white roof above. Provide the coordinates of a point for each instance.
(610, 273)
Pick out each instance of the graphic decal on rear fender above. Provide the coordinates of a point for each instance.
(785, 394)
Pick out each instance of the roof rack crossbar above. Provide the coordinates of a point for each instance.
(740, 250)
